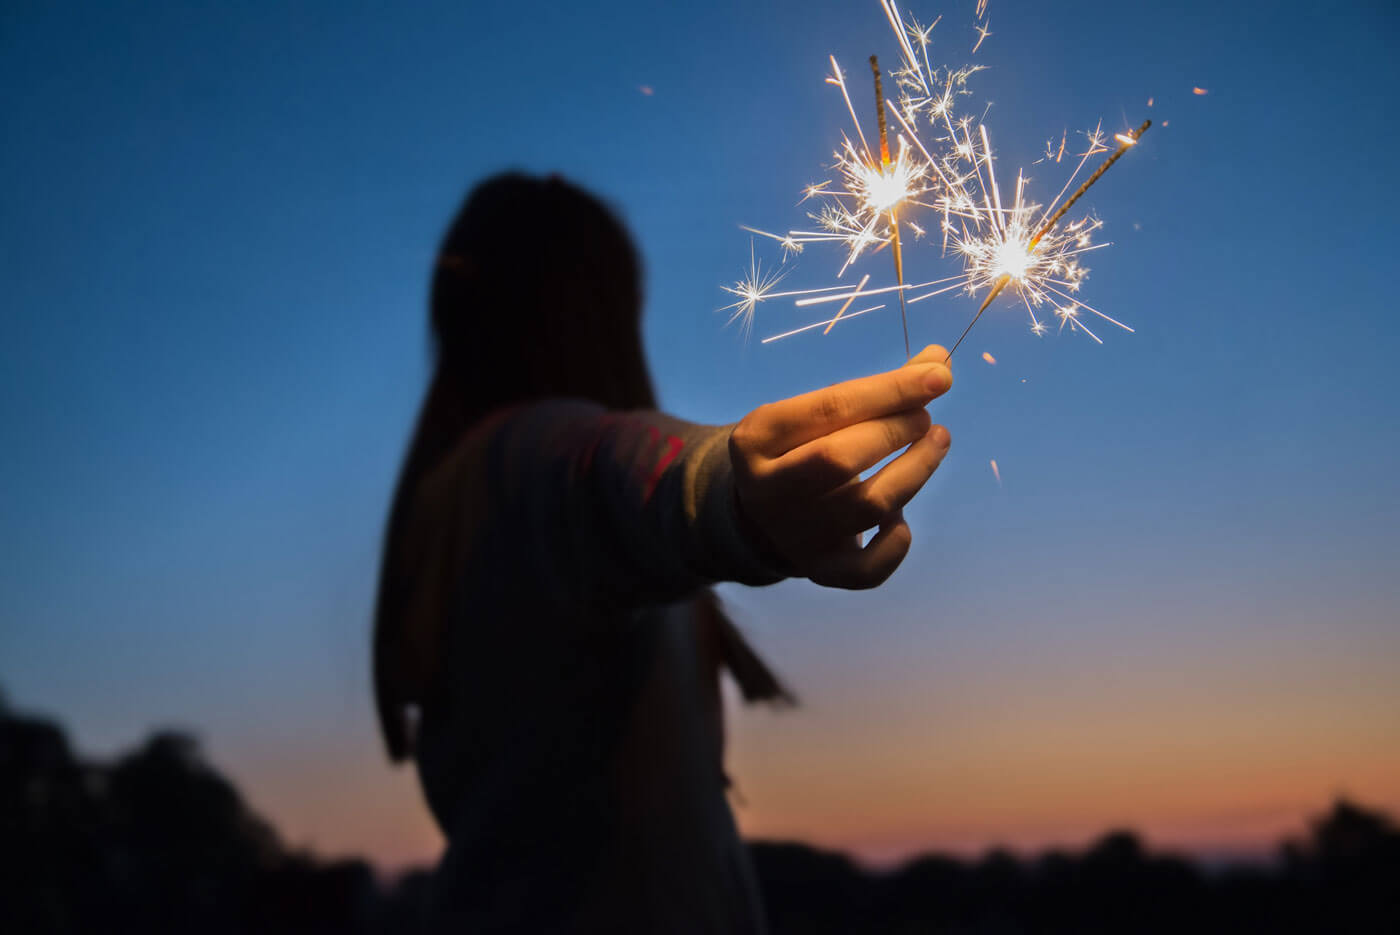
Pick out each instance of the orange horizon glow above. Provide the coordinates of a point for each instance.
(960, 747)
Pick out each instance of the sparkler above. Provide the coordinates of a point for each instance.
(948, 171)
(1014, 265)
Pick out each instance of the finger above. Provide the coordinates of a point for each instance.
(871, 565)
(865, 505)
(826, 463)
(781, 426)
(933, 354)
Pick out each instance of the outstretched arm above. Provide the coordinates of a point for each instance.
(631, 508)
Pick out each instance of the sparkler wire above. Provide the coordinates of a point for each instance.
(1079, 192)
(894, 217)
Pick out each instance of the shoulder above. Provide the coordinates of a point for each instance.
(540, 427)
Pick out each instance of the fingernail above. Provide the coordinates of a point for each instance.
(940, 436)
(938, 378)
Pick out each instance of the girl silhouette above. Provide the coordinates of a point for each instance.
(545, 645)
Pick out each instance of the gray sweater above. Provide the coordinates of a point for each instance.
(574, 757)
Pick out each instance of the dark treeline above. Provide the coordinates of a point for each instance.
(158, 841)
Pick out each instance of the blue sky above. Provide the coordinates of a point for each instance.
(216, 234)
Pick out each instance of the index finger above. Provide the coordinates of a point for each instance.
(791, 422)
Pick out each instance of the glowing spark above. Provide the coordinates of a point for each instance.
(983, 31)
(788, 334)
(647, 89)
(863, 280)
(1199, 91)
(987, 356)
(819, 300)
(751, 290)
(885, 187)
(921, 34)
(1125, 139)
(996, 471)
(1149, 101)
(1011, 258)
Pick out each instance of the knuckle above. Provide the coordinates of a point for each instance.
(827, 462)
(909, 428)
(758, 474)
(870, 508)
(742, 441)
(896, 433)
(832, 407)
(882, 501)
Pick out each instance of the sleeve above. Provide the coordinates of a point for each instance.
(619, 508)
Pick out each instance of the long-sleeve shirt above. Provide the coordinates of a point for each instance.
(574, 761)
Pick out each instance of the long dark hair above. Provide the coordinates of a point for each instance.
(537, 292)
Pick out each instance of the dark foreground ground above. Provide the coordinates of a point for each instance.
(157, 841)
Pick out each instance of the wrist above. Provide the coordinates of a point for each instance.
(758, 541)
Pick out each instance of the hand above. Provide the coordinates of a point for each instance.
(797, 466)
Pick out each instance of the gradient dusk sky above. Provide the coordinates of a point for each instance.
(1176, 610)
